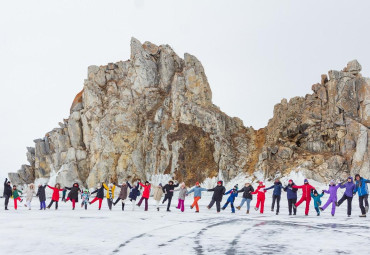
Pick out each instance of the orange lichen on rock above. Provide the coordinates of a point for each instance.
(77, 100)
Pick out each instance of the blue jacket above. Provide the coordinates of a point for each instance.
(291, 192)
(361, 187)
(233, 195)
(317, 199)
(350, 188)
(277, 188)
(197, 191)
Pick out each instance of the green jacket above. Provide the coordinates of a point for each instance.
(16, 193)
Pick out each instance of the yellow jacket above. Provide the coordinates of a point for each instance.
(107, 188)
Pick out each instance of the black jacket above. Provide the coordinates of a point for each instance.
(41, 193)
(134, 191)
(74, 192)
(7, 189)
(168, 189)
(247, 192)
(99, 192)
(218, 193)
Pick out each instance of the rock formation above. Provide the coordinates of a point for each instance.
(153, 114)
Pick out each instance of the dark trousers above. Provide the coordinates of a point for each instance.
(291, 202)
(218, 205)
(51, 203)
(363, 199)
(110, 203)
(118, 199)
(317, 210)
(277, 199)
(169, 198)
(349, 203)
(146, 202)
(6, 201)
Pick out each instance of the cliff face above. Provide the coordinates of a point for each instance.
(153, 114)
(325, 134)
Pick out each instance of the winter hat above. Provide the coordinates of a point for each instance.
(236, 187)
(305, 180)
(315, 192)
(160, 184)
(197, 183)
(332, 182)
(219, 182)
(146, 182)
(290, 180)
(260, 183)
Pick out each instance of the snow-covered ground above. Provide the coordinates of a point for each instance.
(137, 232)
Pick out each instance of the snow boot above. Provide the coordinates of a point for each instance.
(123, 206)
(367, 209)
(362, 215)
(191, 207)
(197, 211)
(321, 209)
(238, 207)
(277, 213)
(256, 208)
(158, 209)
(247, 211)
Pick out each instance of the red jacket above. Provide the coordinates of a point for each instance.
(260, 191)
(55, 196)
(146, 191)
(306, 189)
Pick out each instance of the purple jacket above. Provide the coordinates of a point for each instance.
(350, 188)
(332, 191)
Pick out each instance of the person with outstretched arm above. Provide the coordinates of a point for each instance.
(99, 195)
(218, 193)
(168, 193)
(291, 194)
(348, 194)
(306, 195)
(197, 195)
(276, 195)
(247, 196)
(363, 194)
(7, 192)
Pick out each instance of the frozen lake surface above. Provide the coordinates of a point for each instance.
(137, 232)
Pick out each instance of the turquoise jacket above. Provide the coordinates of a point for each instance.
(317, 199)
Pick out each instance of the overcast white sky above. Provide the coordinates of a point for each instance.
(254, 53)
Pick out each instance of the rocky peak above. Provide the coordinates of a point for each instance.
(153, 114)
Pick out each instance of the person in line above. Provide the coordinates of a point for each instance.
(7, 193)
(276, 195)
(134, 193)
(145, 195)
(110, 194)
(122, 194)
(363, 194)
(157, 194)
(42, 196)
(55, 197)
(247, 196)
(197, 195)
(64, 192)
(332, 191)
(291, 194)
(182, 193)
(99, 195)
(348, 194)
(73, 194)
(29, 195)
(233, 194)
(306, 195)
(168, 190)
(16, 196)
(316, 200)
(85, 198)
(218, 193)
(260, 191)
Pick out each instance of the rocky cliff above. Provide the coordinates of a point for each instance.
(153, 114)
